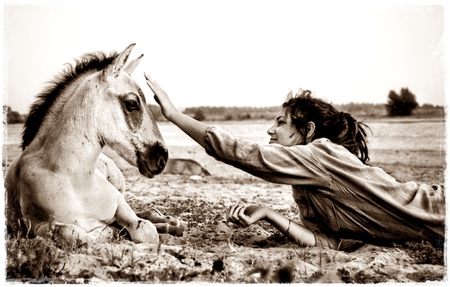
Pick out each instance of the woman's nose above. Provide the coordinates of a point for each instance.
(271, 130)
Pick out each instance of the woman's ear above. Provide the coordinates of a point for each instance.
(310, 131)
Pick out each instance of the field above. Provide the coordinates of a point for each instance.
(212, 251)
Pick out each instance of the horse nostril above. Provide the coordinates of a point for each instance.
(162, 154)
(161, 163)
(154, 160)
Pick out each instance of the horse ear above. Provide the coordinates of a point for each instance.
(129, 68)
(119, 62)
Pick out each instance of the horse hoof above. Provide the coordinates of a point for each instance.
(144, 232)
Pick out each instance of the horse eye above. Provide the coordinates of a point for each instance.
(131, 105)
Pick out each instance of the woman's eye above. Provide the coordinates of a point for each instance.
(131, 105)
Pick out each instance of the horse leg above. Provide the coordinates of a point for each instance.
(140, 230)
(164, 224)
(111, 172)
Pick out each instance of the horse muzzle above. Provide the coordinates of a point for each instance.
(153, 160)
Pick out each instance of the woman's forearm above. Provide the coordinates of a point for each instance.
(296, 232)
(193, 128)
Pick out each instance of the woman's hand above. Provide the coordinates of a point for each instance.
(193, 128)
(246, 216)
(161, 97)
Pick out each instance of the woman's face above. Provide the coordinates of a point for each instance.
(282, 131)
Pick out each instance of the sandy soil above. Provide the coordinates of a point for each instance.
(212, 251)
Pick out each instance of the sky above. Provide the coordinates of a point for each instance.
(235, 53)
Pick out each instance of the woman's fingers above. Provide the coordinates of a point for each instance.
(241, 213)
(153, 85)
(230, 213)
(235, 214)
(160, 97)
(243, 218)
(149, 82)
(149, 79)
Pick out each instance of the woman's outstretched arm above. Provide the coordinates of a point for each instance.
(246, 216)
(193, 128)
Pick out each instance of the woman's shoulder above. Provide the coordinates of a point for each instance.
(325, 148)
(322, 141)
(325, 143)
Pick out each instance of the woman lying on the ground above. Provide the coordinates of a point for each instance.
(323, 154)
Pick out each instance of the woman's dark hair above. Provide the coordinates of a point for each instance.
(339, 127)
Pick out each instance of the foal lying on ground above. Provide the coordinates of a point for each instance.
(62, 186)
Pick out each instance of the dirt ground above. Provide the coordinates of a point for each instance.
(212, 251)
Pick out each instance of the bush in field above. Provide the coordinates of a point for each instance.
(246, 116)
(229, 117)
(199, 115)
(12, 117)
(401, 105)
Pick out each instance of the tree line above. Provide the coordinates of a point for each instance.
(398, 105)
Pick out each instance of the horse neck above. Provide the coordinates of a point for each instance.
(68, 134)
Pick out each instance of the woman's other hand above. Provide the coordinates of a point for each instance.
(246, 215)
(161, 97)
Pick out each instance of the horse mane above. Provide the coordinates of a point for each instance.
(87, 64)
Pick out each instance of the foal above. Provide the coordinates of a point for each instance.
(62, 186)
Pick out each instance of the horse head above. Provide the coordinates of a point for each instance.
(126, 122)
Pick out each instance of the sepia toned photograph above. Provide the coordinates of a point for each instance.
(224, 142)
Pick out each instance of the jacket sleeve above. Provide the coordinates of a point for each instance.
(272, 162)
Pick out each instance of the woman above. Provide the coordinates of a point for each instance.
(322, 153)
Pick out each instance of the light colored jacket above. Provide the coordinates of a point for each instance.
(335, 191)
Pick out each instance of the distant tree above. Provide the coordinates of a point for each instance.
(427, 106)
(229, 117)
(401, 105)
(199, 115)
(12, 117)
(245, 116)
